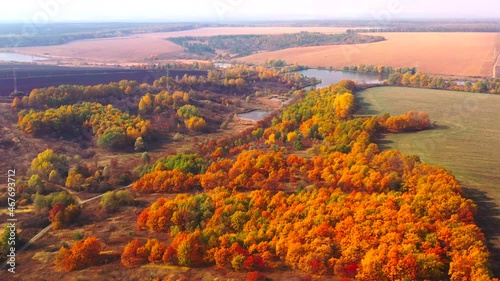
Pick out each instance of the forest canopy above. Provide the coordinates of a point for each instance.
(366, 214)
(242, 45)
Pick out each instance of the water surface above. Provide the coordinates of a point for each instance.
(13, 57)
(329, 77)
(255, 115)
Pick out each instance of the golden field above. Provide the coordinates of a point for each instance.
(465, 54)
(452, 53)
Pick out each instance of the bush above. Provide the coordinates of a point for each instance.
(61, 215)
(114, 139)
(77, 236)
(188, 111)
(83, 254)
(196, 123)
(47, 201)
(113, 199)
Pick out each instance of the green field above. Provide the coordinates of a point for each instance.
(465, 140)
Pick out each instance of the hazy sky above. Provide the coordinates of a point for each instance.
(234, 10)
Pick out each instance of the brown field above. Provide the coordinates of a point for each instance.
(464, 54)
(135, 48)
(107, 50)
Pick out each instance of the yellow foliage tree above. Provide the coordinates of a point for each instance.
(195, 123)
(343, 105)
(292, 136)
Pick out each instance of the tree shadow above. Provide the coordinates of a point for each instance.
(362, 107)
(488, 219)
(439, 127)
(383, 143)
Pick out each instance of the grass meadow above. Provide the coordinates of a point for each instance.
(465, 140)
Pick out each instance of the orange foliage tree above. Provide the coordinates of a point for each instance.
(83, 254)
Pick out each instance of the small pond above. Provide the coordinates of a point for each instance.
(254, 115)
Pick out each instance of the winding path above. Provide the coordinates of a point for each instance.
(46, 229)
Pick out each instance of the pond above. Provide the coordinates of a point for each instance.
(329, 77)
(13, 57)
(254, 115)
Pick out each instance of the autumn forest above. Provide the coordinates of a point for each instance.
(306, 189)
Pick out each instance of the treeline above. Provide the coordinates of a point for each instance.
(196, 65)
(41, 98)
(113, 129)
(409, 122)
(410, 76)
(422, 80)
(242, 45)
(162, 101)
(125, 94)
(371, 68)
(349, 210)
(198, 48)
(424, 28)
(172, 174)
(284, 66)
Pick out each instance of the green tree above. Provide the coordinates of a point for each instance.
(139, 144)
(184, 253)
(109, 202)
(394, 79)
(187, 111)
(187, 163)
(237, 262)
(6, 242)
(114, 139)
(146, 158)
(113, 199)
(257, 133)
(36, 183)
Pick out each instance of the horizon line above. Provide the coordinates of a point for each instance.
(229, 21)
